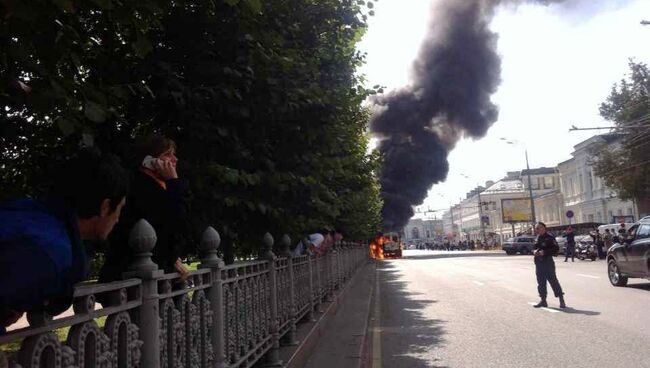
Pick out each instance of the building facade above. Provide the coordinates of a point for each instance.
(423, 231)
(585, 193)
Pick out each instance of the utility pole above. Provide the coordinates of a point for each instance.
(480, 212)
(530, 191)
(451, 212)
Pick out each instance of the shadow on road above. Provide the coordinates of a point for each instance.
(569, 310)
(408, 336)
(641, 286)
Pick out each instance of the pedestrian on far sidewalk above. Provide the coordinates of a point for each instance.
(570, 245)
(607, 238)
(600, 244)
(545, 248)
(622, 234)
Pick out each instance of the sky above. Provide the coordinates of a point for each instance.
(559, 63)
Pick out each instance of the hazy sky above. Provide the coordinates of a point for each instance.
(558, 64)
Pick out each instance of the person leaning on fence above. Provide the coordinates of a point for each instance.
(160, 197)
(41, 250)
(330, 238)
(313, 241)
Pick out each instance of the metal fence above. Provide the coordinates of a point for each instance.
(222, 316)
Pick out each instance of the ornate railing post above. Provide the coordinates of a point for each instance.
(286, 252)
(210, 241)
(313, 270)
(142, 240)
(273, 355)
(329, 279)
(345, 255)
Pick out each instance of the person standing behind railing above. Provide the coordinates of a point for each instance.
(41, 252)
(159, 196)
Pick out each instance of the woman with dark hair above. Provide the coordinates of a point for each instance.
(159, 196)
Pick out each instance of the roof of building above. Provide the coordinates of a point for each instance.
(540, 171)
(505, 186)
(566, 161)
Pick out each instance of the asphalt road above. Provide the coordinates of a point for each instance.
(431, 310)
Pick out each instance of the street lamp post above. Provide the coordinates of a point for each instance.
(530, 191)
(480, 212)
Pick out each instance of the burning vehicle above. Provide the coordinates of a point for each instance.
(386, 246)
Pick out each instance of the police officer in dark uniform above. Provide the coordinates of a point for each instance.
(545, 248)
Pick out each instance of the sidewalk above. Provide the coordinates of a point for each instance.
(342, 342)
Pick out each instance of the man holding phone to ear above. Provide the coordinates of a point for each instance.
(159, 196)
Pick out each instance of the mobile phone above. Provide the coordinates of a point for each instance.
(148, 162)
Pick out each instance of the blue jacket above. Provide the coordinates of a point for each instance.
(41, 256)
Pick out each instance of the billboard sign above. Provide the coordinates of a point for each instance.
(515, 210)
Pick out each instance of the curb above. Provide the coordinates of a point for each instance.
(307, 345)
(365, 348)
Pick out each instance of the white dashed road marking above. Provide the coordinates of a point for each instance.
(589, 276)
(478, 283)
(544, 308)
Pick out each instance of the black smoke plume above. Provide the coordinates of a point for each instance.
(456, 72)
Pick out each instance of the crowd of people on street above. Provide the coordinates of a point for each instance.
(94, 198)
(460, 245)
(601, 240)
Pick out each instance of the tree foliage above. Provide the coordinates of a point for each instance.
(262, 98)
(625, 167)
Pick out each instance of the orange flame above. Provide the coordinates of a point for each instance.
(376, 247)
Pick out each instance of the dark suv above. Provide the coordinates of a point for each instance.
(520, 244)
(630, 258)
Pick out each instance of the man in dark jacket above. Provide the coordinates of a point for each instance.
(545, 248)
(570, 245)
(41, 251)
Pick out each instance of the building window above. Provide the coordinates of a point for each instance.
(611, 215)
(629, 211)
(534, 183)
(599, 217)
(591, 218)
(548, 182)
(415, 233)
(619, 212)
(428, 234)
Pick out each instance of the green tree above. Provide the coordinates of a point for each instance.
(625, 167)
(262, 98)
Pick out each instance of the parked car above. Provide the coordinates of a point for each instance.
(631, 258)
(520, 244)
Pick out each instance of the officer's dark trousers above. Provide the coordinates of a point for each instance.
(545, 271)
